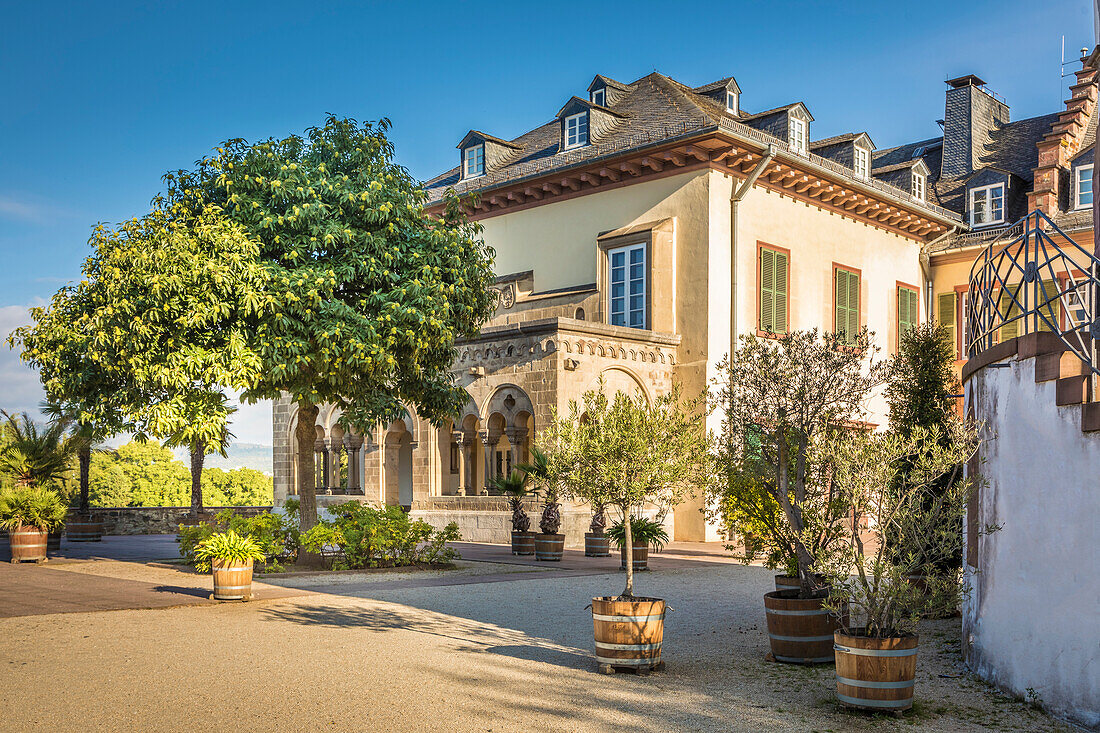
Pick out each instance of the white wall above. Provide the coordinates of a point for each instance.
(1033, 619)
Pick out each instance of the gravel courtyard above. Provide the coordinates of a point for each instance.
(484, 652)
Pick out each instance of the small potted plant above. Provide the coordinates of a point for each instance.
(596, 541)
(922, 513)
(626, 452)
(515, 486)
(645, 533)
(29, 513)
(784, 400)
(549, 544)
(230, 556)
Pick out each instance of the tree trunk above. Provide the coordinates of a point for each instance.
(629, 550)
(198, 457)
(306, 435)
(84, 458)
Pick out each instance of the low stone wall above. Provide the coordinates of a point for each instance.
(154, 519)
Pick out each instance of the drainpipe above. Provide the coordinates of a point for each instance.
(926, 269)
(737, 193)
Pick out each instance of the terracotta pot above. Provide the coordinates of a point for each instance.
(523, 543)
(28, 544)
(549, 547)
(641, 556)
(875, 674)
(232, 580)
(629, 633)
(800, 631)
(597, 545)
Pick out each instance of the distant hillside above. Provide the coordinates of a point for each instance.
(241, 455)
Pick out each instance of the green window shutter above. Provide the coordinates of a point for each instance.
(847, 304)
(1049, 309)
(781, 292)
(907, 310)
(767, 290)
(945, 313)
(1009, 309)
(773, 291)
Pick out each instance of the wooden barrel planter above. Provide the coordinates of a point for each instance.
(641, 557)
(28, 544)
(232, 580)
(787, 582)
(523, 543)
(597, 545)
(549, 547)
(628, 633)
(875, 674)
(800, 631)
(83, 529)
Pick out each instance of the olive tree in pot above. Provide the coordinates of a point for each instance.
(626, 452)
(515, 486)
(899, 479)
(549, 543)
(783, 400)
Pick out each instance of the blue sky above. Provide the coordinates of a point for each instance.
(97, 101)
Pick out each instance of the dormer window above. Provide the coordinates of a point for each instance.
(1083, 187)
(731, 102)
(473, 161)
(861, 162)
(599, 96)
(987, 205)
(917, 187)
(796, 135)
(576, 130)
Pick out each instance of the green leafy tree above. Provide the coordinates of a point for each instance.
(158, 326)
(236, 487)
(784, 400)
(627, 452)
(367, 293)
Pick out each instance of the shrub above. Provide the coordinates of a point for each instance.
(32, 506)
(361, 536)
(276, 535)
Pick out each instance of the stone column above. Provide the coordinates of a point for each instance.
(469, 466)
(488, 450)
(372, 470)
(516, 436)
(354, 443)
(458, 438)
(333, 472)
(321, 475)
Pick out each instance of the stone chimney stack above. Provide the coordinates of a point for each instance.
(971, 114)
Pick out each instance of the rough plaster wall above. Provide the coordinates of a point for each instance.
(1033, 619)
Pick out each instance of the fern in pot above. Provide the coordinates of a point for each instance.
(231, 557)
(645, 534)
(514, 485)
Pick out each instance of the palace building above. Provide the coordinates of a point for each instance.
(646, 226)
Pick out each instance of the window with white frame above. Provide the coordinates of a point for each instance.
(628, 284)
(987, 205)
(576, 130)
(731, 102)
(862, 162)
(917, 186)
(1083, 187)
(599, 96)
(796, 135)
(473, 159)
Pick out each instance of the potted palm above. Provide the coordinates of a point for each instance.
(784, 400)
(549, 543)
(900, 480)
(596, 541)
(627, 452)
(29, 513)
(230, 557)
(515, 486)
(645, 533)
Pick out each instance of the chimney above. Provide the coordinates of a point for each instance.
(971, 114)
